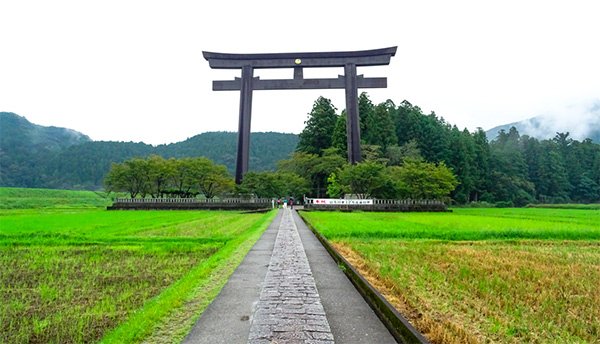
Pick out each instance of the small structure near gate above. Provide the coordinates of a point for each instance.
(191, 204)
(392, 205)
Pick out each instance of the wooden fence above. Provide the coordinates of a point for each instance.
(190, 204)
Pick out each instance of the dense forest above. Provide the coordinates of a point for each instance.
(49, 157)
(511, 170)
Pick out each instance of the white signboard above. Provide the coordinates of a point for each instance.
(336, 201)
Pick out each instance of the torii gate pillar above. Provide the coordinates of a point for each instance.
(350, 81)
(243, 149)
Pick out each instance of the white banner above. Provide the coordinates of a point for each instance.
(337, 201)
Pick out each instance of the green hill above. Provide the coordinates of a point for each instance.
(25, 149)
(50, 157)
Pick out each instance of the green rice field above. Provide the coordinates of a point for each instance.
(81, 274)
(22, 198)
(480, 275)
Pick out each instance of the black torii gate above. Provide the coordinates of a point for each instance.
(248, 83)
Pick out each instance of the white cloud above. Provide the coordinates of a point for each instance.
(133, 70)
(577, 119)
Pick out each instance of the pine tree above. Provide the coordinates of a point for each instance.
(318, 132)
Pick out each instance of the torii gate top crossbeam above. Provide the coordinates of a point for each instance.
(376, 57)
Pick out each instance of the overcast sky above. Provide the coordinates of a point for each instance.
(134, 71)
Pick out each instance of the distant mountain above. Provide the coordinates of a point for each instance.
(25, 147)
(13, 128)
(581, 123)
(36, 156)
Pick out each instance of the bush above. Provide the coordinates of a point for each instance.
(504, 204)
(481, 204)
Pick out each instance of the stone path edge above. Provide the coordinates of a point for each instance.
(397, 324)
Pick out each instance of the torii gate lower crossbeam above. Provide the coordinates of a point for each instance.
(350, 81)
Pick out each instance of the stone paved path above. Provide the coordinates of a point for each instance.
(271, 297)
(289, 309)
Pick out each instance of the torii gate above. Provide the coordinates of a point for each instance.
(248, 83)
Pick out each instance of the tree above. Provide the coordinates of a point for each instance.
(291, 184)
(211, 179)
(509, 170)
(273, 185)
(461, 160)
(259, 184)
(552, 180)
(587, 190)
(313, 168)
(339, 138)
(131, 176)
(159, 173)
(317, 133)
(481, 163)
(380, 126)
(182, 179)
(397, 154)
(365, 112)
(417, 179)
(407, 122)
(365, 180)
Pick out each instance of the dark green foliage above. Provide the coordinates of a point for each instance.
(395, 155)
(84, 166)
(313, 168)
(365, 110)
(157, 177)
(380, 126)
(274, 185)
(221, 147)
(26, 148)
(512, 169)
(510, 172)
(415, 179)
(364, 180)
(36, 156)
(339, 138)
(318, 132)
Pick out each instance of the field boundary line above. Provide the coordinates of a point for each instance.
(395, 322)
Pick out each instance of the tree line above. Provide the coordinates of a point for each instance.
(511, 170)
(47, 157)
(158, 177)
(406, 154)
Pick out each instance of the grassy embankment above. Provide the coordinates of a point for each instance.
(81, 275)
(21, 198)
(480, 275)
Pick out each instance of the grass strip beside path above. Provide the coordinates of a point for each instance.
(169, 317)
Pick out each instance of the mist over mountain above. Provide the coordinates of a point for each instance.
(14, 128)
(36, 156)
(581, 121)
(25, 147)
